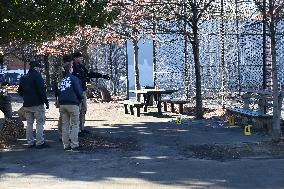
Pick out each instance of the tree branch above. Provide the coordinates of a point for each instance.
(206, 6)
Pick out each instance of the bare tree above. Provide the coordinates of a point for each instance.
(191, 14)
(131, 24)
(273, 13)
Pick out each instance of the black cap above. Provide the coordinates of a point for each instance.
(35, 63)
(77, 55)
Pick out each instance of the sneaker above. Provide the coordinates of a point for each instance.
(44, 145)
(75, 149)
(67, 148)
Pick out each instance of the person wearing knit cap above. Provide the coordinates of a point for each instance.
(32, 89)
(80, 71)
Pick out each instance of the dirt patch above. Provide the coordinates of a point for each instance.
(229, 152)
(191, 110)
(93, 142)
(208, 112)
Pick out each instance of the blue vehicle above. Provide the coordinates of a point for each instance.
(10, 78)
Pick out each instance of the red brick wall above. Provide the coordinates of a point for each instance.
(14, 63)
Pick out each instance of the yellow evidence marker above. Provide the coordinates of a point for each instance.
(178, 120)
(248, 130)
(231, 120)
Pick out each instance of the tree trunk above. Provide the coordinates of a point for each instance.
(264, 57)
(136, 68)
(222, 55)
(154, 63)
(1, 61)
(195, 49)
(111, 49)
(276, 105)
(127, 75)
(25, 67)
(186, 66)
(47, 73)
(86, 57)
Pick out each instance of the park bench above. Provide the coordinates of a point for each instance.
(132, 104)
(180, 102)
(254, 109)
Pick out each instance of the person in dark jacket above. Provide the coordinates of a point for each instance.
(32, 89)
(80, 71)
(70, 97)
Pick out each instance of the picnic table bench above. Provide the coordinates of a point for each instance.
(254, 109)
(180, 102)
(132, 104)
(156, 93)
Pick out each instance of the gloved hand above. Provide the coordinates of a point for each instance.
(47, 105)
(106, 77)
(87, 79)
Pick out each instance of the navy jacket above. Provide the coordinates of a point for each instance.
(32, 89)
(80, 71)
(70, 91)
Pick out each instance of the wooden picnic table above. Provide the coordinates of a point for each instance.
(156, 93)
